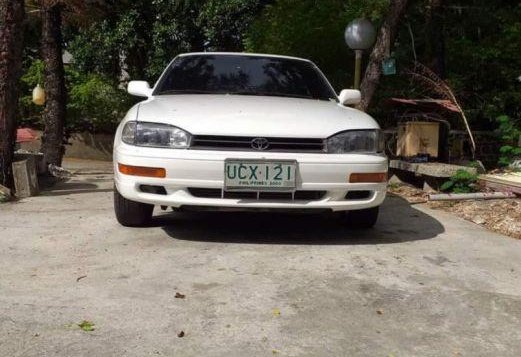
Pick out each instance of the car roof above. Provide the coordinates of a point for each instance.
(241, 54)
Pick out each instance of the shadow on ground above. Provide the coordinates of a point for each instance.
(398, 222)
(51, 186)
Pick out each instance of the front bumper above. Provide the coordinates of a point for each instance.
(189, 169)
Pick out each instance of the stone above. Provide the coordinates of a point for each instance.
(478, 220)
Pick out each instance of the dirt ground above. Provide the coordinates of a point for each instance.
(502, 216)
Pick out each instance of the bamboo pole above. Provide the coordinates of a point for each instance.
(471, 196)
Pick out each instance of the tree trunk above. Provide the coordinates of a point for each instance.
(12, 16)
(434, 38)
(381, 48)
(55, 108)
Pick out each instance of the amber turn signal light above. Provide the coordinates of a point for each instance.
(142, 171)
(369, 177)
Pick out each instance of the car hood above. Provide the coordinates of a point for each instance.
(239, 115)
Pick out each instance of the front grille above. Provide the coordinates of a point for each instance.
(218, 193)
(244, 143)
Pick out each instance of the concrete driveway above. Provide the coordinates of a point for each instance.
(422, 283)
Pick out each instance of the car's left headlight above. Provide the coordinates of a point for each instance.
(155, 135)
(356, 141)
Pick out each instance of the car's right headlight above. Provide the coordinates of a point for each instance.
(356, 141)
(155, 135)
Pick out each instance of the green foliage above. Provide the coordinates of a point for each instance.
(461, 182)
(123, 39)
(314, 30)
(479, 47)
(225, 22)
(86, 326)
(483, 48)
(30, 113)
(374, 10)
(143, 36)
(34, 73)
(94, 103)
(510, 132)
(174, 30)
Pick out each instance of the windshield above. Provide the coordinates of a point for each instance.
(244, 75)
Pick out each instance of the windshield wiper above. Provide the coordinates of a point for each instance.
(268, 94)
(184, 91)
(271, 94)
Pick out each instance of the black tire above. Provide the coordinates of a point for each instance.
(362, 219)
(130, 213)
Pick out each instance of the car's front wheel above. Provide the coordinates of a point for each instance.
(130, 213)
(360, 219)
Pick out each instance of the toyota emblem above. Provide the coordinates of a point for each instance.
(260, 144)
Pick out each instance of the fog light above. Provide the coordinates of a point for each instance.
(142, 171)
(358, 195)
(369, 177)
(156, 190)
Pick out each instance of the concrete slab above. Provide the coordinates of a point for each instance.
(431, 169)
(422, 283)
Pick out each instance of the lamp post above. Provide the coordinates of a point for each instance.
(360, 35)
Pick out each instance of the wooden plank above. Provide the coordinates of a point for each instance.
(510, 182)
(513, 179)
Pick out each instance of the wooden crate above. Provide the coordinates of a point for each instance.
(418, 137)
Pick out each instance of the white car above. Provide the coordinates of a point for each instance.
(237, 131)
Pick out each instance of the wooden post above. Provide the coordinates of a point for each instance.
(25, 178)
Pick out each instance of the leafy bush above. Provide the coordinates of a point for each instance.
(225, 22)
(510, 134)
(461, 182)
(94, 103)
(30, 114)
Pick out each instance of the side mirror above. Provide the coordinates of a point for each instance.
(139, 88)
(350, 97)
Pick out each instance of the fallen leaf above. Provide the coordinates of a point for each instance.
(379, 312)
(86, 326)
(179, 296)
(276, 312)
(478, 220)
(181, 334)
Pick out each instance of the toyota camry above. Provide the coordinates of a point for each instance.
(237, 131)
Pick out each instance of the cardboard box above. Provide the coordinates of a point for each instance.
(418, 137)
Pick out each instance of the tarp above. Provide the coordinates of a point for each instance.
(24, 135)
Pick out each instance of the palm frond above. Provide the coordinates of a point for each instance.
(424, 75)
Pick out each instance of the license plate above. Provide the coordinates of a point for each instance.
(259, 175)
